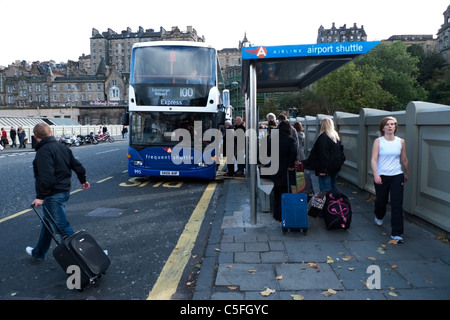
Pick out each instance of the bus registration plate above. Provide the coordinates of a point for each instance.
(169, 173)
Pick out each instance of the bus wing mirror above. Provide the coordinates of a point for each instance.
(226, 98)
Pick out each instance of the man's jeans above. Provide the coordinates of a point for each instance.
(55, 204)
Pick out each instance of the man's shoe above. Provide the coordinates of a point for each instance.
(229, 174)
(29, 250)
(397, 238)
(379, 222)
(239, 173)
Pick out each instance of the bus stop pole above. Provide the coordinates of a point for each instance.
(252, 150)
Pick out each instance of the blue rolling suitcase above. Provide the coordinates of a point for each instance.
(294, 211)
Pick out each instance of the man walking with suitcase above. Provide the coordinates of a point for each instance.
(53, 166)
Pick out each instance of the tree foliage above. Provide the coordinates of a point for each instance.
(399, 70)
(388, 77)
(351, 88)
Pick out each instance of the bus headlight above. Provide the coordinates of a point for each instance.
(138, 163)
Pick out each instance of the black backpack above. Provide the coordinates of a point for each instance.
(337, 158)
(337, 211)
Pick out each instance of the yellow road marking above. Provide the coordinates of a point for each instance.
(170, 275)
(109, 178)
(14, 215)
(75, 191)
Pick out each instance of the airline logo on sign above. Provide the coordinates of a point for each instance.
(309, 50)
(260, 52)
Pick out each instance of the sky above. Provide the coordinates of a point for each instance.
(61, 31)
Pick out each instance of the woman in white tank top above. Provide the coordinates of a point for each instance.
(390, 171)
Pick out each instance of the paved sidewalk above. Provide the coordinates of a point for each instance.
(257, 262)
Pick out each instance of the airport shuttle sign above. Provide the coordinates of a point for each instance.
(308, 50)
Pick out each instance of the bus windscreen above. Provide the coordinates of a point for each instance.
(163, 76)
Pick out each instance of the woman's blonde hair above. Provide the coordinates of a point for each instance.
(327, 126)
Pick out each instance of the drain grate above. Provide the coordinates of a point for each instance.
(105, 212)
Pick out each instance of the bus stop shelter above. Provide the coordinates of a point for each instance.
(286, 69)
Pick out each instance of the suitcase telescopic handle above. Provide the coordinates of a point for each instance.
(46, 223)
(295, 178)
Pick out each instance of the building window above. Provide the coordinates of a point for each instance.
(114, 93)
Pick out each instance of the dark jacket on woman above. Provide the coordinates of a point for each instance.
(287, 154)
(52, 166)
(326, 156)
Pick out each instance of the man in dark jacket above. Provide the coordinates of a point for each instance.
(53, 166)
(240, 149)
(287, 156)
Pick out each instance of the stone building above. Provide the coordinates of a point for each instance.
(426, 41)
(341, 34)
(92, 91)
(230, 60)
(443, 37)
(115, 47)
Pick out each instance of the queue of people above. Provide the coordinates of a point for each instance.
(13, 133)
(389, 165)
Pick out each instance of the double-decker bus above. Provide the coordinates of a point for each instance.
(174, 99)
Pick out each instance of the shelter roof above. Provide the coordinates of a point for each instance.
(294, 67)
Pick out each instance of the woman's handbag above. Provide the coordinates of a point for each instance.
(316, 203)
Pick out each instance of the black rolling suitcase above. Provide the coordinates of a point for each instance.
(294, 210)
(79, 249)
